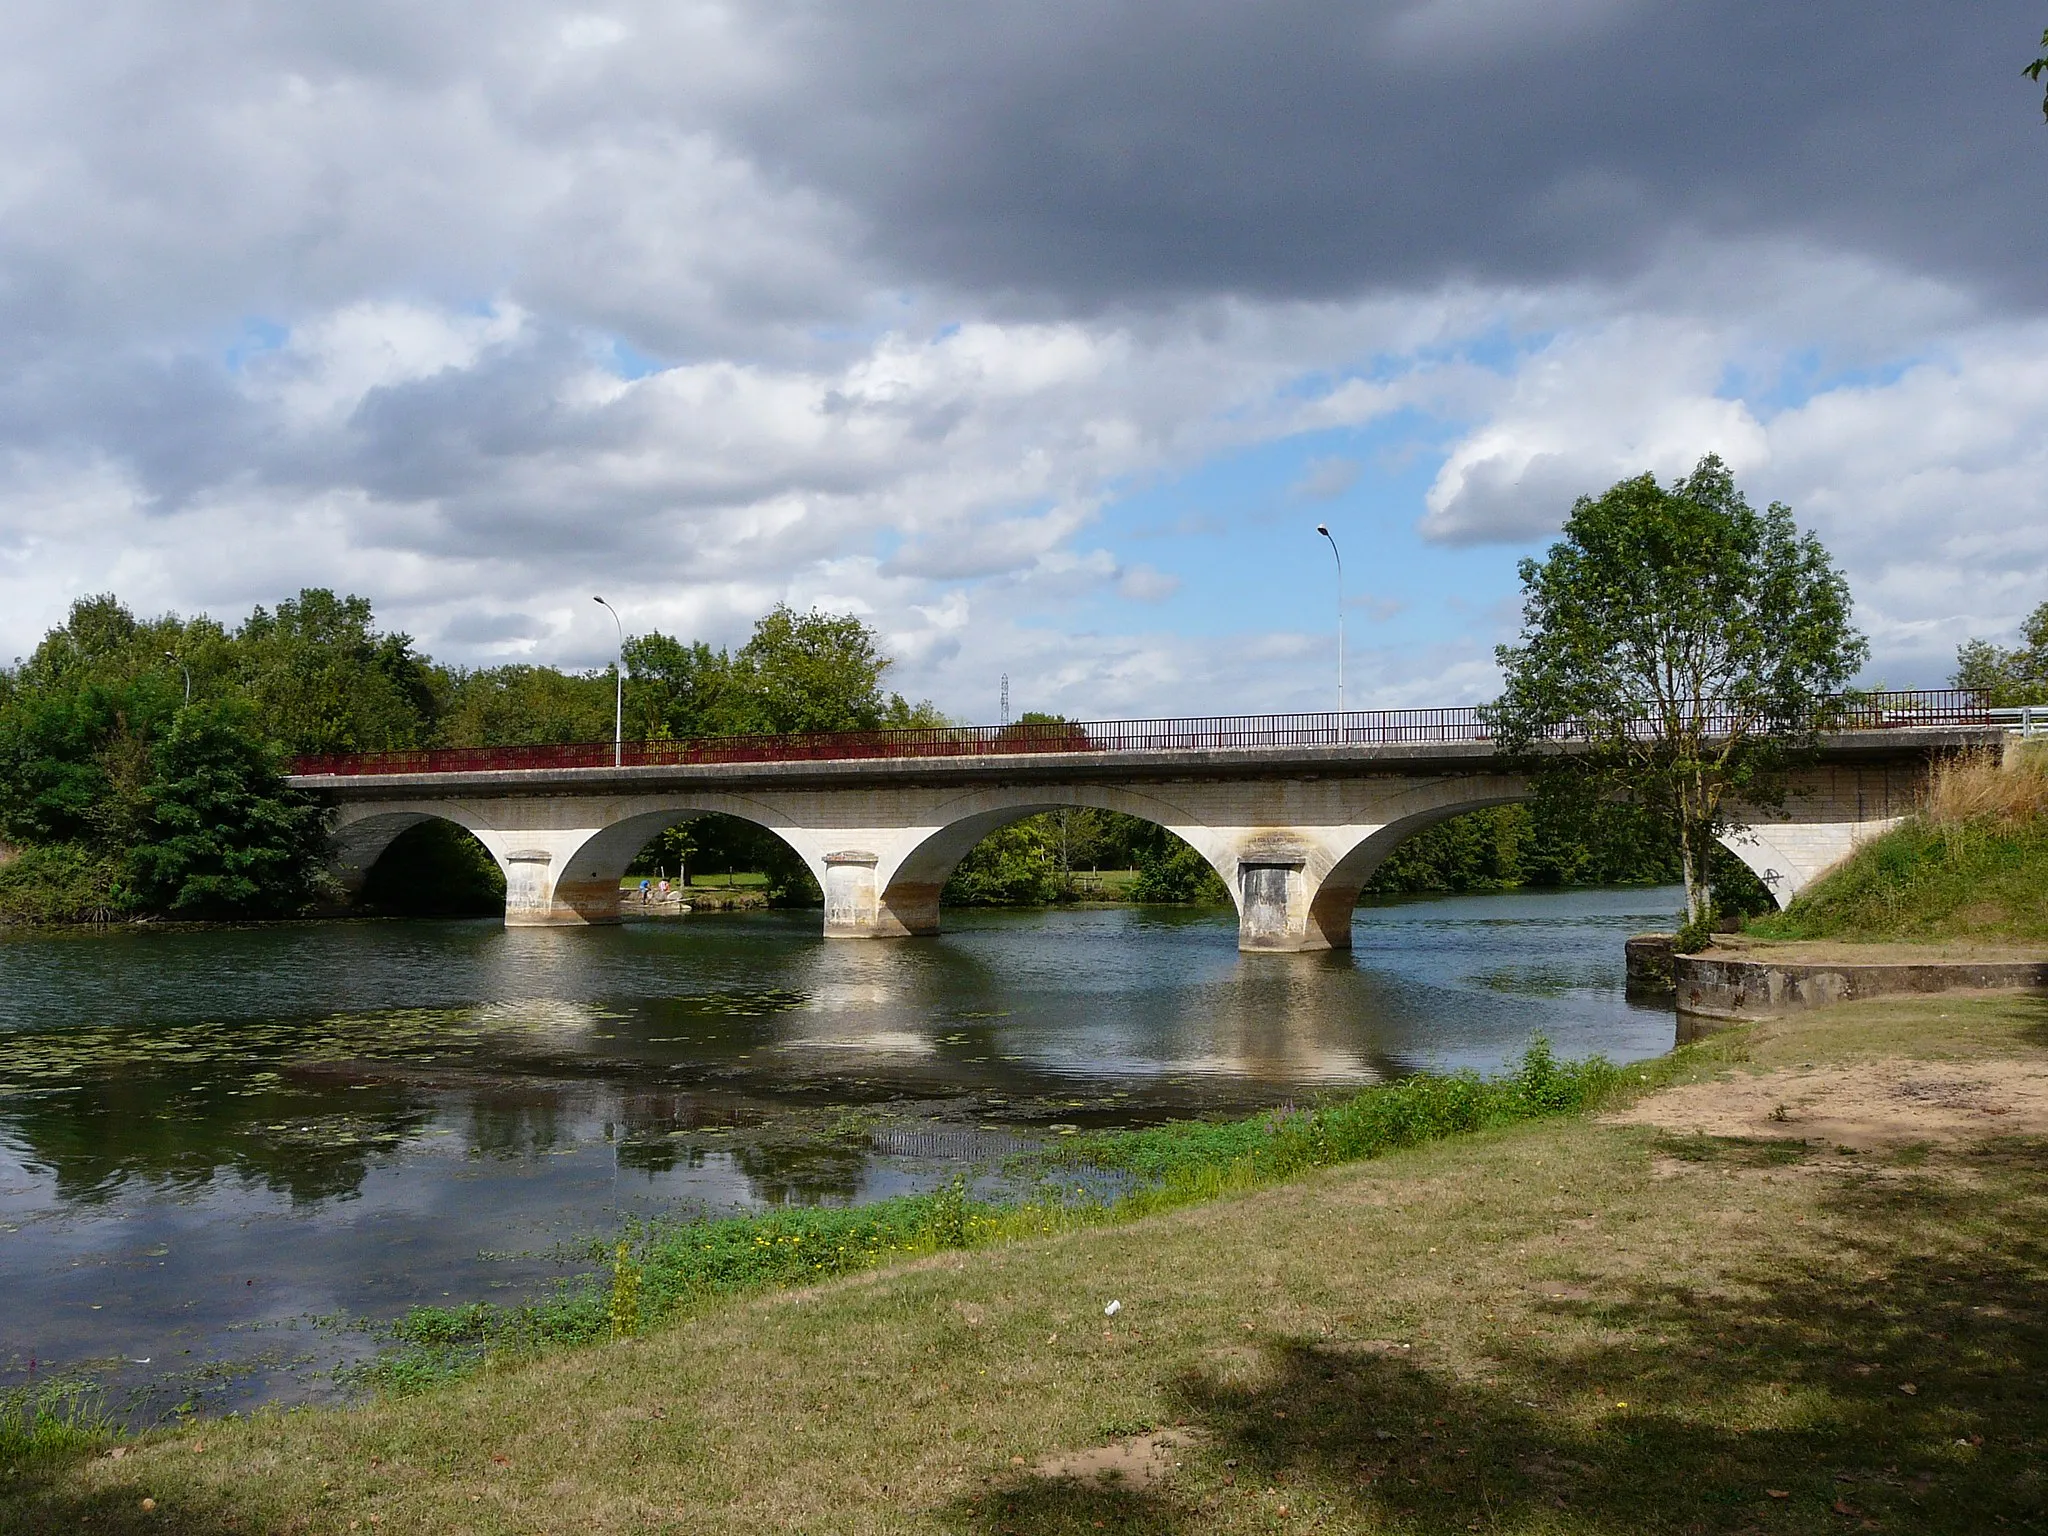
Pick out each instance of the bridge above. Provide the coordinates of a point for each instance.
(1294, 812)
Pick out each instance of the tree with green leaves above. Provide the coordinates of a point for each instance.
(223, 835)
(1678, 649)
(2002, 677)
(2037, 69)
(809, 672)
(323, 678)
(676, 689)
(520, 705)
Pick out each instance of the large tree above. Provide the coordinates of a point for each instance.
(323, 679)
(1678, 649)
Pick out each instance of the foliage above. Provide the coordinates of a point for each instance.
(225, 836)
(715, 844)
(324, 680)
(2035, 70)
(1016, 865)
(516, 705)
(2003, 678)
(676, 689)
(54, 1419)
(1170, 871)
(125, 798)
(1688, 645)
(62, 883)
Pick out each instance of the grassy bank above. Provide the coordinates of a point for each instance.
(1560, 1325)
(660, 1270)
(1972, 866)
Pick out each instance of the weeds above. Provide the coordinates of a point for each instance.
(1973, 788)
(63, 1418)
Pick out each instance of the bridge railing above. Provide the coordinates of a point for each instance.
(1362, 727)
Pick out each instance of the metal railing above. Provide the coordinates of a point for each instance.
(2028, 720)
(1364, 727)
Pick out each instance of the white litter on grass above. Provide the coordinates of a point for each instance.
(1112, 1309)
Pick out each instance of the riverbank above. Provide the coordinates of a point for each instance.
(1657, 1320)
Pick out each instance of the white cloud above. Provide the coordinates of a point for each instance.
(479, 309)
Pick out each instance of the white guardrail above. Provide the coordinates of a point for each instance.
(2027, 720)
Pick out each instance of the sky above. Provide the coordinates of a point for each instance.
(1041, 335)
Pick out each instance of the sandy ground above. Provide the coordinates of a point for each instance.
(1866, 1106)
(1137, 1462)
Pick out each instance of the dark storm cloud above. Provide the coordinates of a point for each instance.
(1132, 153)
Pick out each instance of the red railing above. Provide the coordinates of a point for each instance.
(1366, 727)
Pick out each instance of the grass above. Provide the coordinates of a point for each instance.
(672, 1267)
(55, 1421)
(1549, 1326)
(1972, 866)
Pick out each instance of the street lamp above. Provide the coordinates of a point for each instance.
(1324, 530)
(173, 656)
(619, 692)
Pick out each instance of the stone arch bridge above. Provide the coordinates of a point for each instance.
(1293, 812)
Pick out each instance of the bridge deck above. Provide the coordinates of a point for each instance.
(389, 780)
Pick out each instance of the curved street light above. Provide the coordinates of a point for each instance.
(618, 692)
(1324, 530)
(174, 656)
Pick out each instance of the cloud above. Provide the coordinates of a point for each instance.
(1326, 479)
(1146, 584)
(476, 311)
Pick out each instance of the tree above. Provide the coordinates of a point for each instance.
(2039, 67)
(2002, 678)
(676, 689)
(520, 705)
(324, 680)
(224, 836)
(1685, 647)
(809, 672)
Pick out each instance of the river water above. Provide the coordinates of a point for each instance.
(219, 1147)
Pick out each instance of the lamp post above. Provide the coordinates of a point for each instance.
(619, 691)
(173, 656)
(1324, 530)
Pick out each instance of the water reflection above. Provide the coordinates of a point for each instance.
(348, 1117)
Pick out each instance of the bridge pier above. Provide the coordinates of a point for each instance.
(543, 888)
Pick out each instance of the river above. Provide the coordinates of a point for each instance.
(220, 1147)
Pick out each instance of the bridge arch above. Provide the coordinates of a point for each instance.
(359, 841)
(907, 887)
(588, 879)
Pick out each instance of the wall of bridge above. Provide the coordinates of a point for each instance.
(1294, 850)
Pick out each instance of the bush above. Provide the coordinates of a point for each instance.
(1176, 873)
(62, 883)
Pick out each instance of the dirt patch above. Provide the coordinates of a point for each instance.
(1737, 946)
(1137, 1462)
(1866, 1106)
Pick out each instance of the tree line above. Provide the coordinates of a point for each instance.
(142, 761)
